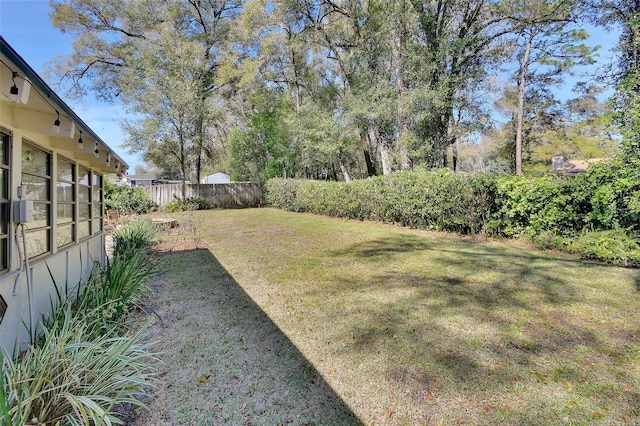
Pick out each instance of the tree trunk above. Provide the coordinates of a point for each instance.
(521, 92)
(343, 169)
(399, 54)
(385, 158)
(371, 169)
(194, 170)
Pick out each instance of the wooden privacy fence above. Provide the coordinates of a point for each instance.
(219, 195)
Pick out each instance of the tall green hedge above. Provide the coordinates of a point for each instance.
(570, 213)
(432, 200)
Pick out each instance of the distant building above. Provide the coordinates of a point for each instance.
(576, 167)
(216, 178)
(140, 180)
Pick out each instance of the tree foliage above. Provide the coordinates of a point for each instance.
(344, 89)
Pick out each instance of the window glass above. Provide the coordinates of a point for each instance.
(84, 194)
(83, 176)
(65, 171)
(85, 212)
(3, 184)
(65, 191)
(65, 213)
(64, 235)
(5, 143)
(36, 188)
(97, 212)
(37, 242)
(36, 181)
(35, 161)
(3, 254)
(4, 218)
(97, 225)
(40, 216)
(84, 229)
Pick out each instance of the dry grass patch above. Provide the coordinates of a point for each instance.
(413, 327)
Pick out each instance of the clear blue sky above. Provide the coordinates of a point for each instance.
(26, 26)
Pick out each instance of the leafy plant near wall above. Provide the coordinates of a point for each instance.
(188, 204)
(126, 200)
(87, 361)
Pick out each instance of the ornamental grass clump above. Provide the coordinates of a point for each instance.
(111, 292)
(74, 377)
(133, 236)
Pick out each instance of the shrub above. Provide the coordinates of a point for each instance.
(531, 206)
(82, 366)
(615, 246)
(283, 193)
(551, 211)
(434, 200)
(126, 200)
(109, 294)
(133, 235)
(189, 204)
(612, 190)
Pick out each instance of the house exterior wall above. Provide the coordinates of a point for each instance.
(65, 266)
(54, 170)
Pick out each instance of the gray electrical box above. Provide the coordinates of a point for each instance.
(23, 211)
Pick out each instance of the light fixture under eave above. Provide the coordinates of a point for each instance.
(95, 151)
(14, 89)
(108, 160)
(80, 142)
(56, 124)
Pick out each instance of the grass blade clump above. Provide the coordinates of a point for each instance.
(110, 293)
(74, 376)
(133, 236)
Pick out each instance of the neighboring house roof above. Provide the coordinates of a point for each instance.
(50, 106)
(217, 177)
(141, 177)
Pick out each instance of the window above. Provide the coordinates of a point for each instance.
(5, 143)
(96, 219)
(65, 187)
(84, 202)
(36, 182)
(89, 202)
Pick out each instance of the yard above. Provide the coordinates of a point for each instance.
(271, 317)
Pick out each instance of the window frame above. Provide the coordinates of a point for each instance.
(97, 193)
(5, 200)
(48, 228)
(60, 202)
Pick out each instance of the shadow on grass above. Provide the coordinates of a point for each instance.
(441, 308)
(225, 360)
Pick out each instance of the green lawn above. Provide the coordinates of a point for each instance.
(414, 327)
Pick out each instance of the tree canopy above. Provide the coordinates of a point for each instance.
(346, 89)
